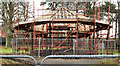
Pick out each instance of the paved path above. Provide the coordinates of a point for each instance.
(73, 61)
(62, 61)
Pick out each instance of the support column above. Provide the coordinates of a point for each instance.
(108, 29)
(50, 35)
(77, 29)
(32, 39)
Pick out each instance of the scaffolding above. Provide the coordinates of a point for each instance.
(62, 30)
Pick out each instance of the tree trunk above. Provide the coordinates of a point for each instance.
(116, 32)
(119, 24)
(6, 45)
(8, 41)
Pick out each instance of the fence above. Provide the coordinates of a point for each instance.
(44, 47)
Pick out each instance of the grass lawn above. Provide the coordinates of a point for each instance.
(105, 51)
(111, 61)
(3, 50)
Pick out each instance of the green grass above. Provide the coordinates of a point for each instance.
(117, 52)
(105, 51)
(3, 50)
(109, 61)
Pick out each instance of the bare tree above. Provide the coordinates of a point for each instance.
(7, 15)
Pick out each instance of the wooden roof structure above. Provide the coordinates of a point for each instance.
(63, 15)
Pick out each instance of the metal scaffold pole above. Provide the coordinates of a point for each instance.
(77, 30)
(52, 28)
(108, 27)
